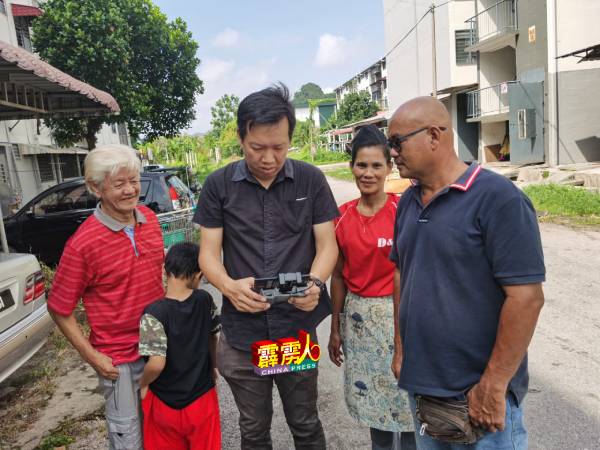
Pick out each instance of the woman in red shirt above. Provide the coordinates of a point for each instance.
(361, 290)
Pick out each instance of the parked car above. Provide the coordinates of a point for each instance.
(183, 172)
(24, 319)
(43, 225)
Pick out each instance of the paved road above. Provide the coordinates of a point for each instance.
(563, 406)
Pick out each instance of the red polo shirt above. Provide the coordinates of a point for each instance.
(366, 243)
(100, 266)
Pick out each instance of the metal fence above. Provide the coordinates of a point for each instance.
(177, 226)
(497, 19)
(488, 101)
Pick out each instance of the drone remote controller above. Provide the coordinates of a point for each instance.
(280, 288)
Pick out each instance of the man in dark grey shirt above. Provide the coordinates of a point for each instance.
(267, 215)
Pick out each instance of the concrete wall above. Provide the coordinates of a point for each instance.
(496, 67)
(578, 93)
(459, 12)
(579, 116)
(532, 55)
(409, 65)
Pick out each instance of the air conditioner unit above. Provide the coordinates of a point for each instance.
(526, 123)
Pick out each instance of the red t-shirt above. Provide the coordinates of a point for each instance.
(366, 243)
(99, 265)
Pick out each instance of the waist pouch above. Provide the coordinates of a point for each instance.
(446, 420)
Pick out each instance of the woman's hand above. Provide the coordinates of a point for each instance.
(143, 391)
(335, 348)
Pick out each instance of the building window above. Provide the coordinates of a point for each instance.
(123, 139)
(463, 40)
(2, 7)
(22, 28)
(45, 169)
(4, 176)
(16, 151)
(68, 166)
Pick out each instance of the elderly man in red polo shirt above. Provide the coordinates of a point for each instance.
(114, 263)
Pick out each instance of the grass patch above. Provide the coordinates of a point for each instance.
(343, 173)
(565, 204)
(321, 156)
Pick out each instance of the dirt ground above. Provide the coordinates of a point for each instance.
(53, 400)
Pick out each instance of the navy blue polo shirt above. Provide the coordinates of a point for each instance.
(454, 256)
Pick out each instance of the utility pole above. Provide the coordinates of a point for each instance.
(433, 51)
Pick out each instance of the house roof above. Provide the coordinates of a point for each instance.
(33, 88)
(585, 54)
(25, 11)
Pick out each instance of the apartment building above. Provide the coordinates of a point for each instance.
(417, 67)
(373, 80)
(30, 161)
(522, 75)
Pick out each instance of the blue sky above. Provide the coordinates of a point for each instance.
(247, 45)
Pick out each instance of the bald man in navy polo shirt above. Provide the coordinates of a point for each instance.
(468, 280)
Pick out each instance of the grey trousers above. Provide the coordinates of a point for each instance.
(253, 396)
(123, 407)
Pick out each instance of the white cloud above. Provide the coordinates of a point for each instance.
(226, 38)
(333, 51)
(214, 69)
(225, 77)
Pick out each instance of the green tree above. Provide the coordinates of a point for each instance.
(302, 133)
(223, 112)
(228, 140)
(354, 107)
(308, 91)
(129, 49)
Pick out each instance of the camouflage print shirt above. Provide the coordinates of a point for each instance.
(153, 339)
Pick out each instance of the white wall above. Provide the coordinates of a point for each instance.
(409, 65)
(497, 67)
(302, 114)
(460, 11)
(577, 28)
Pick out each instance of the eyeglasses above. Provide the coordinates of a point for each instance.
(395, 141)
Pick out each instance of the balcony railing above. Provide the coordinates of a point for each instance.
(489, 101)
(496, 20)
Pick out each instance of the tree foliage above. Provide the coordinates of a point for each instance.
(354, 107)
(129, 49)
(309, 91)
(223, 112)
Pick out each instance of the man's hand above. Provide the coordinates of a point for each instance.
(309, 301)
(487, 405)
(244, 299)
(397, 363)
(335, 348)
(103, 365)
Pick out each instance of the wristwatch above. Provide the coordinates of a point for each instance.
(318, 283)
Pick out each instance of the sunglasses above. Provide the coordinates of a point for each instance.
(395, 141)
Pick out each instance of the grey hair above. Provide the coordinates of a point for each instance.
(107, 160)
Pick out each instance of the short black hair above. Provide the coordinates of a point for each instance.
(266, 107)
(182, 260)
(369, 136)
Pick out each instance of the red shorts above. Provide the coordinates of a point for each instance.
(195, 427)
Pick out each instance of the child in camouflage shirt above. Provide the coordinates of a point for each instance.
(178, 340)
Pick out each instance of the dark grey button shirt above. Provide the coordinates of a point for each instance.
(266, 232)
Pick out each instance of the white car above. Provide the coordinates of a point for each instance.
(24, 319)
